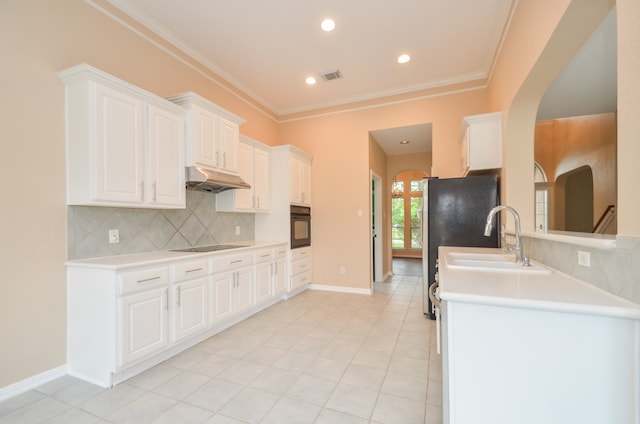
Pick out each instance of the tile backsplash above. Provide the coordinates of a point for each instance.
(146, 230)
(614, 270)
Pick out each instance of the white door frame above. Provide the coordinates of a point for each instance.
(376, 253)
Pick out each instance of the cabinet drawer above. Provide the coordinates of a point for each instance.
(143, 279)
(300, 280)
(189, 270)
(300, 253)
(280, 252)
(300, 266)
(264, 255)
(226, 262)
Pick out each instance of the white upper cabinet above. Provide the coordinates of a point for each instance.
(125, 146)
(481, 139)
(300, 180)
(212, 134)
(165, 157)
(254, 169)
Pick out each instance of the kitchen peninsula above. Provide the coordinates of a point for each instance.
(534, 345)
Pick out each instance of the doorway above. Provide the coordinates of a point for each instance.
(406, 214)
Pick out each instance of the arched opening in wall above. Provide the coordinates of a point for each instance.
(543, 189)
(406, 214)
(573, 200)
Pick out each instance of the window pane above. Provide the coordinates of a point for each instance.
(416, 238)
(397, 223)
(416, 223)
(416, 185)
(416, 211)
(397, 238)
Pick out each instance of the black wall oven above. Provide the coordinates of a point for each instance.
(300, 226)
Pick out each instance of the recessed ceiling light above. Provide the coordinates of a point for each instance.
(404, 58)
(310, 80)
(328, 25)
(405, 142)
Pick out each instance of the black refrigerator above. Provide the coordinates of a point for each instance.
(454, 214)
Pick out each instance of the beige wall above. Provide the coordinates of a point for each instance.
(628, 12)
(339, 144)
(39, 38)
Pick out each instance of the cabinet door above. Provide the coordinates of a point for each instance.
(244, 289)
(228, 145)
(279, 276)
(261, 180)
(190, 300)
(222, 295)
(119, 146)
(144, 319)
(296, 190)
(305, 182)
(263, 281)
(165, 176)
(244, 198)
(206, 132)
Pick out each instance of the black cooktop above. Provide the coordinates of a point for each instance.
(211, 248)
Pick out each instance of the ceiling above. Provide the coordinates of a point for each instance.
(268, 48)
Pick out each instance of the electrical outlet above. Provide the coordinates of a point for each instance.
(584, 258)
(114, 236)
(237, 230)
(342, 270)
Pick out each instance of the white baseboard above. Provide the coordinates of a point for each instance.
(340, 289)
(32, 382)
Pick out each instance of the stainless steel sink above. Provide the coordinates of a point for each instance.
(210, 248)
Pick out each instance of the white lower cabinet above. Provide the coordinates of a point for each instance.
(189, 298)
(123, 319)
(191, 304)
(301, 267)
(280, 273)
(144, 325)
(232, 293)
(264, 275)
(231, 284)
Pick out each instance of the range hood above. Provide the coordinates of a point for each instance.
(203, 179)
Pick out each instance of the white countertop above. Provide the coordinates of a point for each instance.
(551, 292)
(154, 258)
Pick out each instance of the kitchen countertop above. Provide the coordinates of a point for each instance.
(551, 292)
(153, 258)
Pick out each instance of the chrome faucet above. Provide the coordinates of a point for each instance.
(489, 225)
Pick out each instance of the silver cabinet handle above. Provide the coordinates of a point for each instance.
(146, 280)
(142, 190)
(179, 291)
(154, 191)
(166, 299)
(194, 270)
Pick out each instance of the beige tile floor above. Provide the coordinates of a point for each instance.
(320, 357)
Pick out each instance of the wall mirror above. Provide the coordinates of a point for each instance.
(575, 141)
